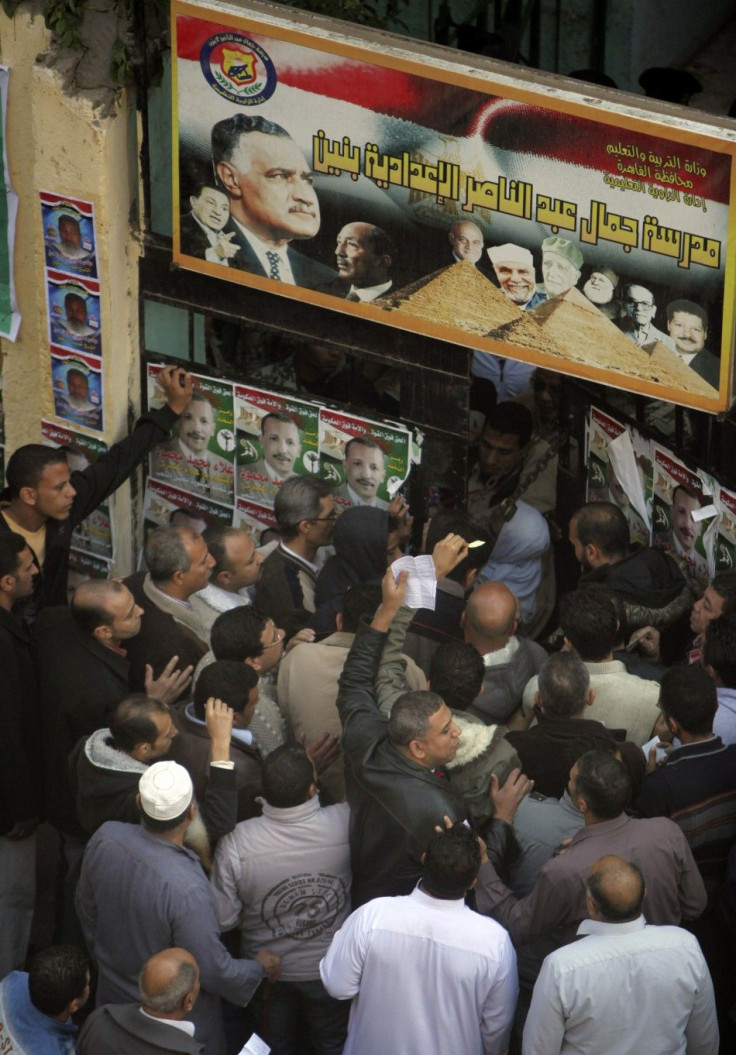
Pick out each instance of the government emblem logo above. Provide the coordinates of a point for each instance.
(238, 68)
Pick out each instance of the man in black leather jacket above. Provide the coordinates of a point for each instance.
(396, 786)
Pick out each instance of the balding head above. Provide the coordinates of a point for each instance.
(169, 984)
(490, 617)
(615, 891)
(105, 609)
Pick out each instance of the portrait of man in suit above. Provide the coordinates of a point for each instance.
(365, 470)
(201, 229)
(269, 184)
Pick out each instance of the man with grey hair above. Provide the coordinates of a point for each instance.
(560, 703)
(179, 565)
(169, 987)
(561, 264)
(618, 955)
(305, 516)
(638, 321)
(142, 882)
(272, 199)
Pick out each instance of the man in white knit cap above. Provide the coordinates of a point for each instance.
(142, 890)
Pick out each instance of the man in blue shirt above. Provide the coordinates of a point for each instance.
(35, 1008)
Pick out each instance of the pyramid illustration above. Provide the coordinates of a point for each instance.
(458, 295)
(574, 328)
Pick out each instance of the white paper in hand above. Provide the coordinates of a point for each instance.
(421, 586)
(255, 1046)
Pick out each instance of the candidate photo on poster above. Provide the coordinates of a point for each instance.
(77, 391)
(69, 235)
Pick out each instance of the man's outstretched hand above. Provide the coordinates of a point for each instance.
(393, 592)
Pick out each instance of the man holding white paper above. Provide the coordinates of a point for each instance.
(396, 785)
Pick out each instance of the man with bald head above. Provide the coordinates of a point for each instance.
(466, 242)
(619, 957)
(169, 987)
(84, 673)
(489, 623)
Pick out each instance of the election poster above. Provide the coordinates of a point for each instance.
(95, 533)
(69, 234)
(683, 513)
(276, 440)
(9, 312)
(254, 518)
(617, 471)
(471, 205)
(366, 462)
(84, 566)
(200, 458)
(725, 542)
(76, 382)
(73, 312)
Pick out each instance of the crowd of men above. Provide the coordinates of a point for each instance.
(288, 803)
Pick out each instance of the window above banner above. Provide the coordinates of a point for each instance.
(490, 207)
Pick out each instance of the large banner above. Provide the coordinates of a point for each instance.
(482, 209)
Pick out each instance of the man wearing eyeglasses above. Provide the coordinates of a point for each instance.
(638, 324)
(305, 517)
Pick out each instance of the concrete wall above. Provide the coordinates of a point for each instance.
(73, 142)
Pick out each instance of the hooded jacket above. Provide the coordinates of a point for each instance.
(360, 540)
(649, 583)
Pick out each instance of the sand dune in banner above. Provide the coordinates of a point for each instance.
(458, 295)
(577, 331)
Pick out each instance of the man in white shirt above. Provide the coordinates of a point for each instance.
(364, 255)
(625, 986)
(426, 973)
(237, 568)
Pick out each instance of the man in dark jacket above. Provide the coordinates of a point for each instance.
(107, 766)
(47, 501)
(648, 581)
(236, 685)
(396, 786)
(169, 987)
(84, 673)
(19, 749)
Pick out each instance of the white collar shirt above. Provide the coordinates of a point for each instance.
(623, 987)
(261, 250)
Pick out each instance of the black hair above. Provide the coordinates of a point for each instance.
(451, 863)
(237, 634)
(92, 611)
(689, 695)
(450, 522)
(131, 722)
(456, 673)
(604, 783)
(288, 773)
(26, 465)
(724, 583)
(11, 546)
(410, 716)
(513, 419)
(602, 524)
(359, 602)
(690, 308)
(57, 976)
(588, 621)
(216, 538)
(225, 136)
(298, 499)
(227, 680)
